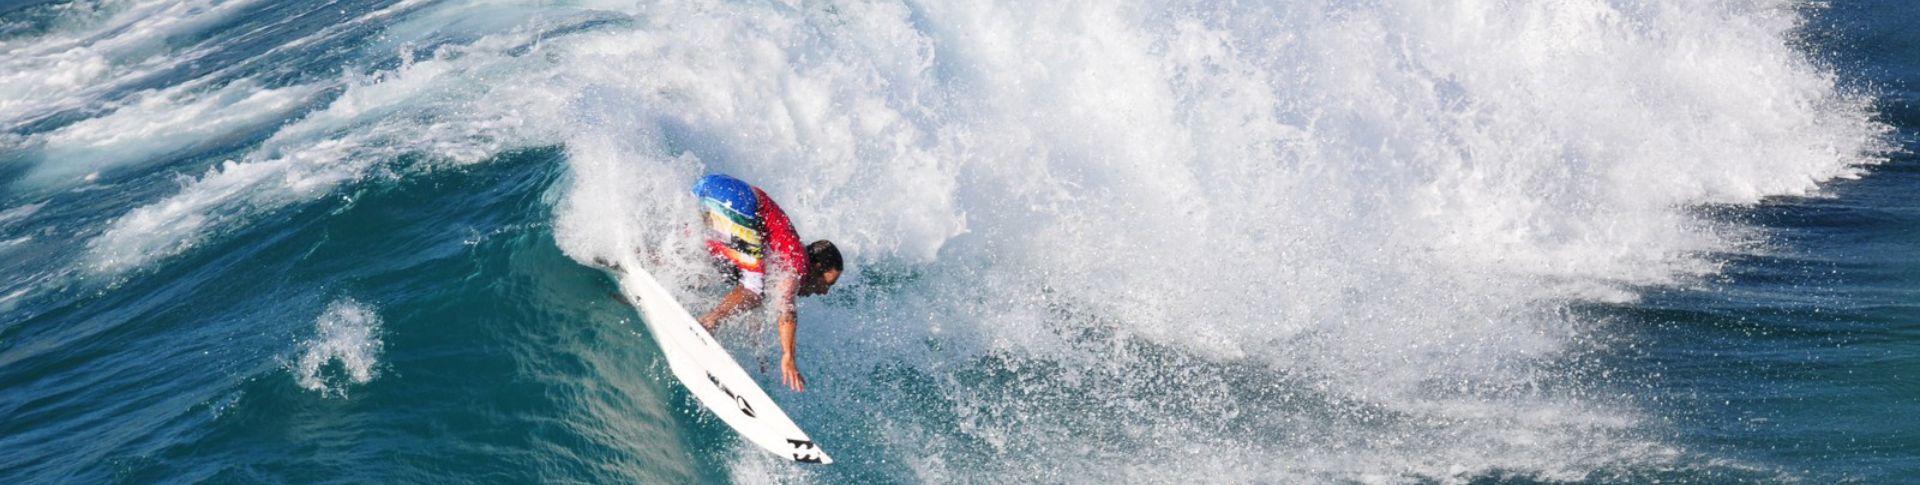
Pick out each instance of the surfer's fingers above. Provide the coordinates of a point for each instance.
(793, 379)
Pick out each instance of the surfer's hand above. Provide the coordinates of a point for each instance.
(790, 374)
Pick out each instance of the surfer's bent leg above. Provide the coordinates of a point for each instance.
(737, 301)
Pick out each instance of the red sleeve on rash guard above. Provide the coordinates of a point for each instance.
(783, 247)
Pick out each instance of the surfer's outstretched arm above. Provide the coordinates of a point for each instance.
(783, 296)
(790, 368)
(739, 300)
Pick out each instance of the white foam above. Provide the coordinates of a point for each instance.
(348, 333)
(1383, 206)
(1389, 200)
(14, 215)
(443, 109)
(158, 123)
(64, 68)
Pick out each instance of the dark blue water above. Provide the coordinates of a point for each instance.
(261, 242)
(1819, 331)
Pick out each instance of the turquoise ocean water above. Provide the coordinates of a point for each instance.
(255, 241)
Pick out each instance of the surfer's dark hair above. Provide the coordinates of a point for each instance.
(822, 257)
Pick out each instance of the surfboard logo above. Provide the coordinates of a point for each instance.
(804, 451)
(737, 400)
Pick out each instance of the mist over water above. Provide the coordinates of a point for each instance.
(1089, 241)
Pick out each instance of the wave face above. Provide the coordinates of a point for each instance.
(1093, 241)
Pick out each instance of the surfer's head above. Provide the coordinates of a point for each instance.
(823, 268)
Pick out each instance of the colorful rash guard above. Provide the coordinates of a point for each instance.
(749, 231)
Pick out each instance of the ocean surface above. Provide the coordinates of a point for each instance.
(1310, 241)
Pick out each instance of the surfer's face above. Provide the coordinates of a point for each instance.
(819, 285)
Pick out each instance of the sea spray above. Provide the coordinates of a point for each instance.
(347, 333)
(1309, 241)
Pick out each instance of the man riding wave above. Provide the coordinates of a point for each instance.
(752, 239)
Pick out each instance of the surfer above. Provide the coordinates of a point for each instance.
(750, 238)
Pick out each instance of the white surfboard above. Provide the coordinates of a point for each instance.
(705, 368)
